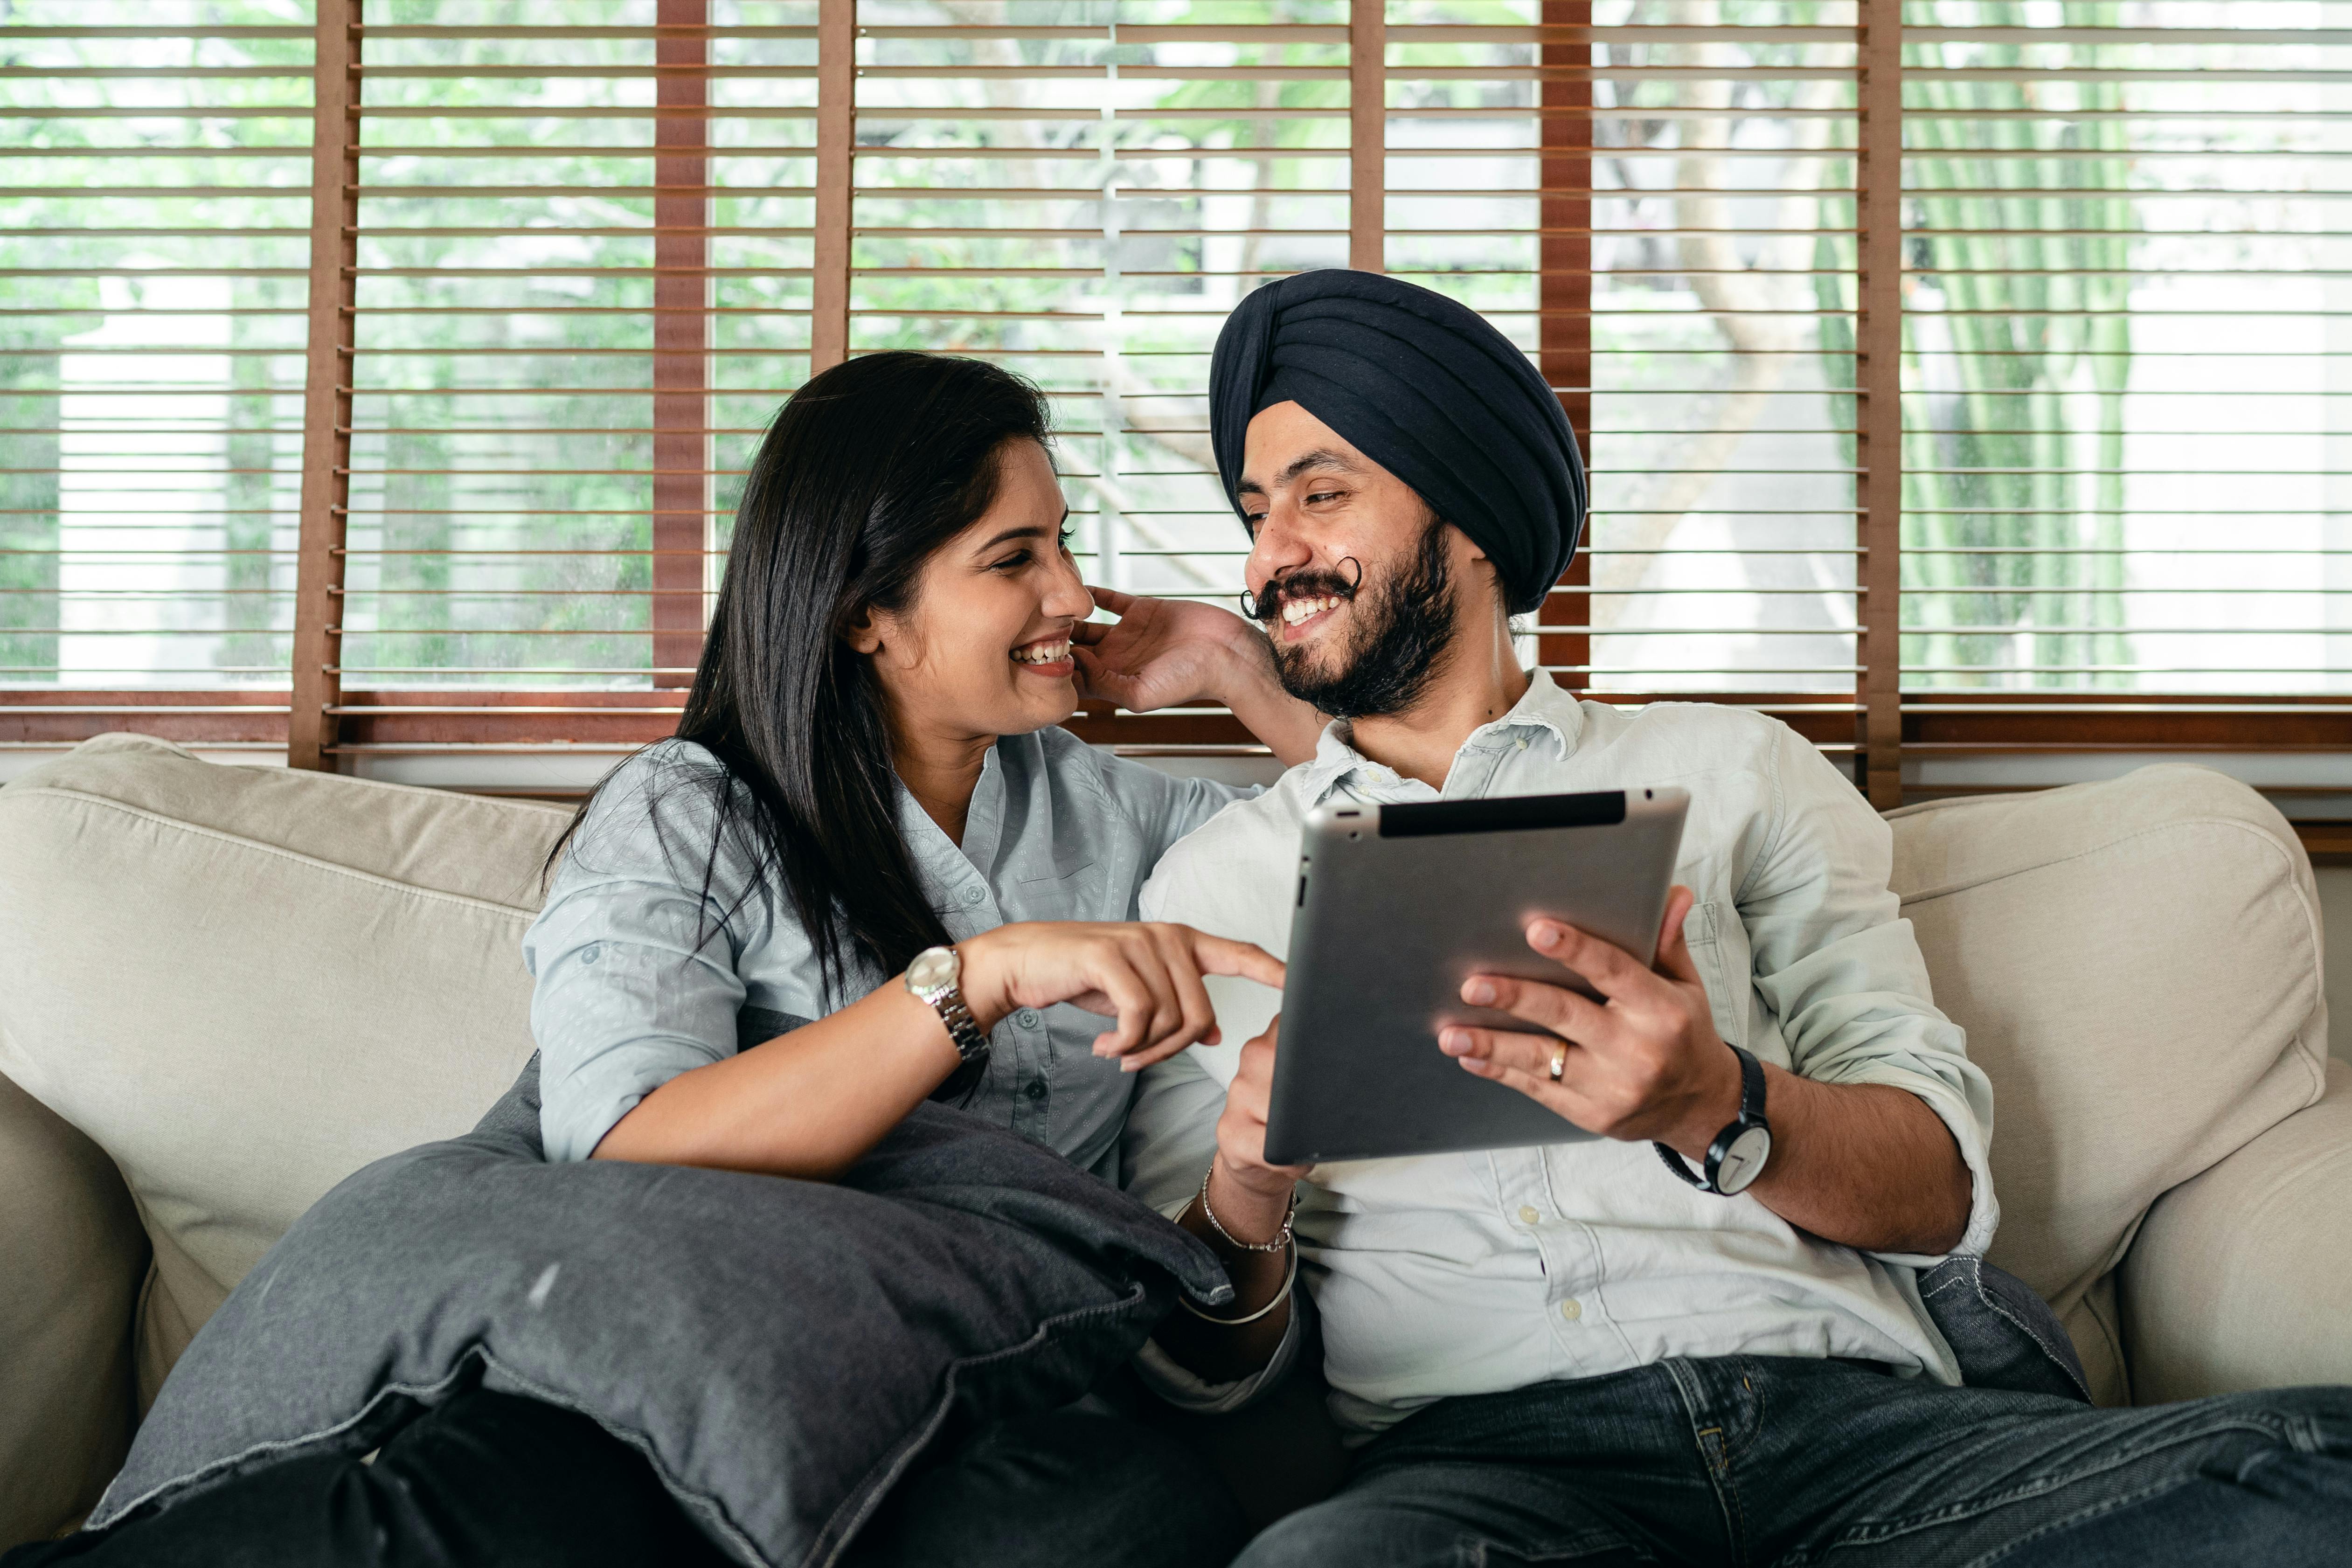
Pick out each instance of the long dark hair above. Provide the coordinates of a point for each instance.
(869, 467)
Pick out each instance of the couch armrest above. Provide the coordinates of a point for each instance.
(71, 1259)
(2241, 1277)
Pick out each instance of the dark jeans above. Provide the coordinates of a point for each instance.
(1769, 1460)
(492, 1480)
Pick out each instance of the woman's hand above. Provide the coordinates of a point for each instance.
(1146, 975)
(1164, 652)
(1251, 1197)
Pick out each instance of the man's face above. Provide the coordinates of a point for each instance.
(1353, 577)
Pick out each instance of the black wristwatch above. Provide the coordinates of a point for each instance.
(1737, 1156)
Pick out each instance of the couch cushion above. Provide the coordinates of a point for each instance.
(245, 984)
(2138, 965)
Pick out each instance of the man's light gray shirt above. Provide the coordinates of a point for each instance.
(1457, 1274)
(629, 995)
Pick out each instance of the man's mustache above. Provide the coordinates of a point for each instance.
(1307, 583)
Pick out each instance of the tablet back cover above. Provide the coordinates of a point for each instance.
(1399, 906)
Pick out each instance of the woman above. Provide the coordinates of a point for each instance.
(868, 767)
(870, 870)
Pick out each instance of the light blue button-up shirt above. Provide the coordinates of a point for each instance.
(629, 995)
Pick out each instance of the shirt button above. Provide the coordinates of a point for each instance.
(1028, 1018)
(972, 895)
(1571, 1309)
(1036, 1090)
(1529, 1214)
(1520, 744)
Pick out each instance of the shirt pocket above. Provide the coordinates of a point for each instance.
(1703, 933)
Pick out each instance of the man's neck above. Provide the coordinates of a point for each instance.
(1479, 682)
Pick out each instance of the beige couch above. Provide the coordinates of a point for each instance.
(223, 989)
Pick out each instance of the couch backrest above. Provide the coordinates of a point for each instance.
(2138, 965)
(244, 984)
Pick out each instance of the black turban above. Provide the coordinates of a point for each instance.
(1426, 388)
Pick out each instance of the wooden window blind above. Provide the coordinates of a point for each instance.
(2125, 384)
(154, 228)
(1959, 379)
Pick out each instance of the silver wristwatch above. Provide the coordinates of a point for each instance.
(933, 976)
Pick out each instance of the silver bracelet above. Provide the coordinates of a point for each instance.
(1281, 1238)
(1289, 1278)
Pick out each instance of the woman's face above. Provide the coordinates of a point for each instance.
(984, 647)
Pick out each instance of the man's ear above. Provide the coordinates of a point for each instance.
(1477, 551)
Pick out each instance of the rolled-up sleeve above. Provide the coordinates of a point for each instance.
(1842, 968)
(633, 957)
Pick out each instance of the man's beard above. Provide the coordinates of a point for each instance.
(1401, 631)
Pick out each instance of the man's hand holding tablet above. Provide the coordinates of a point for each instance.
(1645, 1062)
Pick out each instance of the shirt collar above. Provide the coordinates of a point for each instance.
(1544, 708)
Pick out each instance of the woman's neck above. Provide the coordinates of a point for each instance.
(940, 772)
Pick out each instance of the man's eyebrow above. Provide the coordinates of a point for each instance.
(1320, 458)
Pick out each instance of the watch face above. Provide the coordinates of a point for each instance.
(934, 967)
(1743, 1161)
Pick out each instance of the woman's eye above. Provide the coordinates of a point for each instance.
(1069, 537)
(1012, 563)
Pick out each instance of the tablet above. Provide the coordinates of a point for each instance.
(1398, 905)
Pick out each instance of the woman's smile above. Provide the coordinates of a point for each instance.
(1047, 656)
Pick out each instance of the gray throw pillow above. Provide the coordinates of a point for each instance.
(781, 1350)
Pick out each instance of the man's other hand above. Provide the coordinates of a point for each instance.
(1251, 1197)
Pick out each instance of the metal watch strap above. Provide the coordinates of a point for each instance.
(962, 1027)
(1751, 1113)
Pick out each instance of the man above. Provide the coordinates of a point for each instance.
(1588, 1353)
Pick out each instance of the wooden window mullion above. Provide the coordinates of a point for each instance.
(316, 678)
(681, 359)
(1564, 291)
(837, 131)
(1368, 136)
(1878, 401)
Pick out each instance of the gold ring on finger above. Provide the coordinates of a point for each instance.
(1559, 1060)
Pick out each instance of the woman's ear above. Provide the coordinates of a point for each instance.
(862, 633)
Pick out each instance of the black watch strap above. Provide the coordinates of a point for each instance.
(1751, 1115)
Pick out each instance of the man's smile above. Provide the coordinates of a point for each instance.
(1299, 616)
